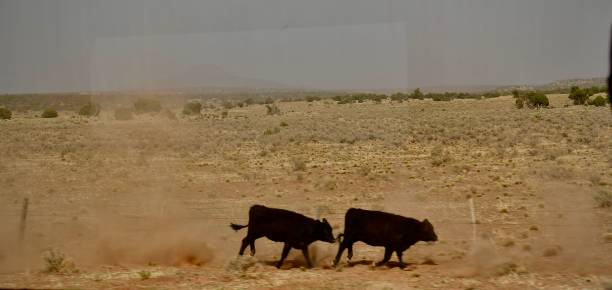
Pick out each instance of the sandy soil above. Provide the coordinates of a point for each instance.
(146, 203)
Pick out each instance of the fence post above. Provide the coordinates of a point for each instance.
(473, 216)
(22, 222)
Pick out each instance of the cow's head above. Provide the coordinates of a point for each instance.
(324, 231)
(427, 232)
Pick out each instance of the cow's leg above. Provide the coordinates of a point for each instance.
(350, 251)
(245, 242)
(306, 256)
(252, 246)
(388, 253)
(399, 257)
(286, 249)
(339, 254)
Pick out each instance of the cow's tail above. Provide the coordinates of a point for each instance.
(237, 227)
(339, 238)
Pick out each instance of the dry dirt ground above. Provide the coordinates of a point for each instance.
(146, 203)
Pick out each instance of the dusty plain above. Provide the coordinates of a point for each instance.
(146, 203)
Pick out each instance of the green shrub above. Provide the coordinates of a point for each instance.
(147, 106)
(90, 109)
(489, 95)
(537, 100)
(438, 98)
(192, 108)
(313, 98)
(531, 99)
(596, 90)
(5, 114)
(578, 95)
(123, 114)
(49, 113)
(417, 94)
(378, 98)
(598, 101)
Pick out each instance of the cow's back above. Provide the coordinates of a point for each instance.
(278, 224)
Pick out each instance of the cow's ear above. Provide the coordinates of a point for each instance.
(425, 221)
(325, 221)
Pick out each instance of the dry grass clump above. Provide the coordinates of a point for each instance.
(364, 170)
(552, 251)
(506, 268)
(439, 156)
(144, 274)
(603, 199)
(272, 109)
(271, 131)
(56, 262)
(299, 164)
(226, 104)
(240, 264)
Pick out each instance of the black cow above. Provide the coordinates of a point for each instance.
(375, 228)
(279, 225)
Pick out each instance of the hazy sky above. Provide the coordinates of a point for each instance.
(67, 45)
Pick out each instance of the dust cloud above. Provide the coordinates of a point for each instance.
(103, 237)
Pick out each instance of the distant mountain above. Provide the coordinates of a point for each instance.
(592, 82)
(559, 85)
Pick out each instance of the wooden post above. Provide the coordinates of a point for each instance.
(473, 216)
(22, 222)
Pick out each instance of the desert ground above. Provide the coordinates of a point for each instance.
(146, 203)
